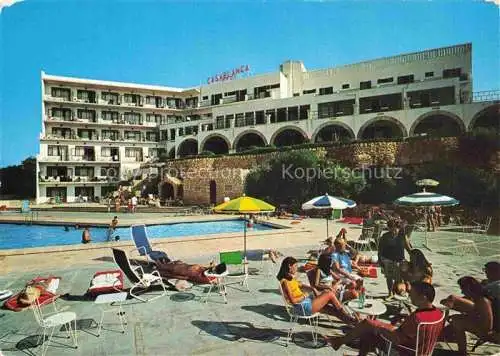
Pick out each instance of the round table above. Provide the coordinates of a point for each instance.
(372, 308)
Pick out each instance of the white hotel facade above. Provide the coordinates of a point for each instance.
(95, 132)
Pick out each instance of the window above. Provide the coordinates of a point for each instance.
(296, 94)
(452, 73)
(133, 135)
(264, 91)
(192, 102)
(111, 98)
(204, 97)
(86, 114)
(154, 100)
(249, 119)
(231, 93)
(385, 80)
(156, 118)
(216, 99)
(406, 79)
(61, 93)
(309, 91)
(84, 171)
(60, 113)
(86, 95)
(132, 99)
(304, 112)
(151, 136)
(79, 151)
(54, 150)
(345, 86)
(132, 118)
(365, 85)
(86, 134)
(110, 115)
(429, 74)
(240, 120)
(219, 122)
(133, 152)
(326, 91)
(109, 134)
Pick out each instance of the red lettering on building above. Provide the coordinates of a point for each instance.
(228, 75)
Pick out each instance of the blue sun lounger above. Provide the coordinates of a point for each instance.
(141, 241)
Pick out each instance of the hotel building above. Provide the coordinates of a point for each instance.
(95, 132)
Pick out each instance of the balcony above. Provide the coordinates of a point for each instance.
(113, 159)
(56, 98)
(82, 158)
(132, 159)
(64, 180)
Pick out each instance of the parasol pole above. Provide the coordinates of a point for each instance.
(327, 227)
(245, 236)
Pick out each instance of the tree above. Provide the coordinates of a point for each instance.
(19, 181)
(294, 177)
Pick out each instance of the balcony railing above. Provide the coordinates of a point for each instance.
(76, 179)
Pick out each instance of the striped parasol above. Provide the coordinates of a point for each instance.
(426, 199)
(427, 183)
(328, 202)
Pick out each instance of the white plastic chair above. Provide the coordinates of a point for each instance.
(366, 238)
(51, 321)
(294, 318)
(482, 228)
(427, 336)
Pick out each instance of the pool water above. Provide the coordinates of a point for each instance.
(22, 236)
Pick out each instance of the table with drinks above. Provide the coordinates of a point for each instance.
(372, 308)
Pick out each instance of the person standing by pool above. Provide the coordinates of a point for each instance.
(112, 229)
(86, 235)
(117, 204)
(391, 252)
(134, 204)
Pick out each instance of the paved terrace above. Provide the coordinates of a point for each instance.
(252, 323)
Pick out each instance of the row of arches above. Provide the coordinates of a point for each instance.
(434, 124)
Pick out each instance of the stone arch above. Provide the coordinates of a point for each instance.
(188, 147)
(487, 117)
(248, 133)
(449, 124)
(385, 122)
(215, 143)
(347, 130)
(167, 191)
(297, 132)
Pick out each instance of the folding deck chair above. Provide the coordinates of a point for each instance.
(137, 276)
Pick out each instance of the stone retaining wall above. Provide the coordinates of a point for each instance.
(229, 172)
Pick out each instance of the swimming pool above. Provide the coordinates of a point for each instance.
(22, 236)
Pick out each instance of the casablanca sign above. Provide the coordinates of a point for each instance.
(229, 75)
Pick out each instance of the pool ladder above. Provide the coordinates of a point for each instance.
(30, 217)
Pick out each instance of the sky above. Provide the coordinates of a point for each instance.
(180, 44)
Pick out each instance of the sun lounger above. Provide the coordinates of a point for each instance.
(141, 241)
(47, 293)
(137, 276)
